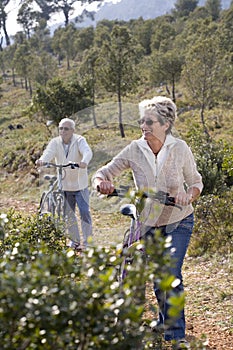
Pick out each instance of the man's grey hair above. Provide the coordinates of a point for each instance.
(70, 121)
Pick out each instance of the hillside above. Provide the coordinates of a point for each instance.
(132, 9)
(128, 9)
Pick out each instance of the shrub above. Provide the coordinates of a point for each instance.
(54, 299)
(213, 231)
(214, 160)
(31, 230)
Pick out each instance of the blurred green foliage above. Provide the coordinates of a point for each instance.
(52, 298)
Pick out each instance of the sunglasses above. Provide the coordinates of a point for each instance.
(148, 122)
(65, 128)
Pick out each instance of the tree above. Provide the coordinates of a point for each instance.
(65, 38)
(166, 68)
(44, 69)
(205, 72)
(184, 7)
(84, 39)
(143, 30)
(47, 8)
(41, 40)
(225, 30)
(7, 61)
(88, 73)
(3, 18)
(60, 99)
(214, 8)
(56, 47)
(164, 32)
(27, 17)
(22, 62)
(102, 32)
(64, 6)
(117, 65)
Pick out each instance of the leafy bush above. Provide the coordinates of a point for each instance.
(31, 231)
(213, 231)
(60, 99)
(54, 299)
(214, 161)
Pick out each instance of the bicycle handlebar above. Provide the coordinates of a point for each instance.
(70, 164)
(160, 196)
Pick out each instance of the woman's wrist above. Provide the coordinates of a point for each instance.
(193, 194)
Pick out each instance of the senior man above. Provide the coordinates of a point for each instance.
(65, 148)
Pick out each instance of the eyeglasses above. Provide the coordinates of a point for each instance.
(65, 128)
(148, 122)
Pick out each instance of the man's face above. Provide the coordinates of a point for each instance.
(66, 131)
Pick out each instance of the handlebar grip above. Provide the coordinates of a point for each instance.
(73, 165)
(114, 193)
(70, 164)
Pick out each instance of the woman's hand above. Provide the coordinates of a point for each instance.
(183, 198)
(105, 187)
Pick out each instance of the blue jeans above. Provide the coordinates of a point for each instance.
(181, 233)
(81, 198)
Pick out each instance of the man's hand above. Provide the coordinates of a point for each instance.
(39, 163)
(82, 165)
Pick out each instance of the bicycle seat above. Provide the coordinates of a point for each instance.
(50, 177)
(129, 210)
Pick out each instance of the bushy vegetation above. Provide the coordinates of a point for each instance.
(213, 231)
(52, 298)
(214, 161)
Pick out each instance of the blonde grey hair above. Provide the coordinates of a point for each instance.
(162, 107)
(71, 121)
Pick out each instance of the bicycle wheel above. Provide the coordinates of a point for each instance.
(125, 245)
(46, 204)
(59, 208)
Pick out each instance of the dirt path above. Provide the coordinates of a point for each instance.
(209, 288)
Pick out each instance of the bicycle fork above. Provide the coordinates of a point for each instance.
(132, 237)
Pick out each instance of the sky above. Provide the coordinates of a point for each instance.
(13, 27)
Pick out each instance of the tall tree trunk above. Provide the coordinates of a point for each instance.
(93, 113)
(7, 39)
(93, 98)
(13, 77)
(30, 87)
(68, 62)
(203, 122)
(173, 89)
(121, 126)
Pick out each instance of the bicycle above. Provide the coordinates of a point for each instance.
(52, 201)
(133, 235)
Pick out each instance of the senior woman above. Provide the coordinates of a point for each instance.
(160, 161)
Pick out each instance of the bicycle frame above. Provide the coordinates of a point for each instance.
(133, 235)
(54, 198)
(134, 232)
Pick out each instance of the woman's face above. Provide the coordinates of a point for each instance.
(151, 128)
